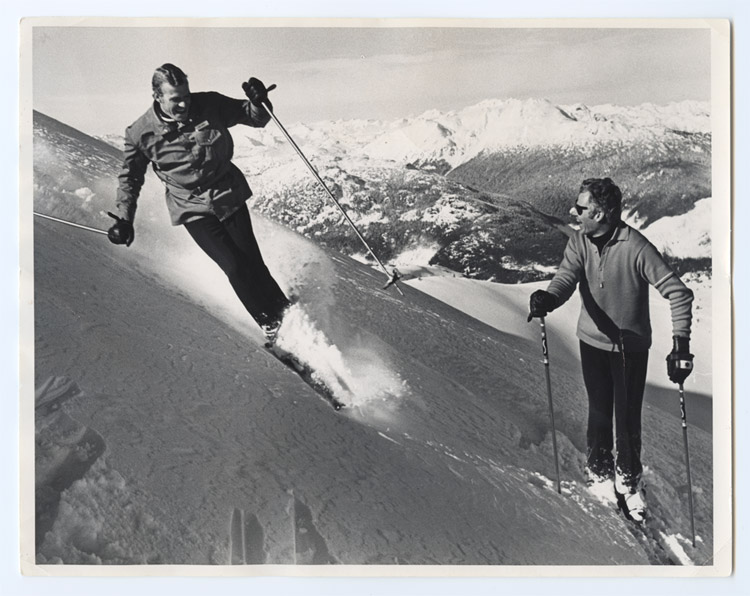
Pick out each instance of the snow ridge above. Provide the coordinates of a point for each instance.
(455, 137)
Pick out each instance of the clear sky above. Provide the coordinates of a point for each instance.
(98, 78)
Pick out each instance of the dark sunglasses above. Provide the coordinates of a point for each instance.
(579, 208)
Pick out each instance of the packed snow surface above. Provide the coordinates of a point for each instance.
(171, 436)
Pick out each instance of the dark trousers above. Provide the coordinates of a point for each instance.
(614, 385)
(231, 244)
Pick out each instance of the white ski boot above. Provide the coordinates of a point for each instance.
(635, 506)
(631, 501)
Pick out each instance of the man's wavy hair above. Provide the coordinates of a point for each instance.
(167, 73)
(606, 195)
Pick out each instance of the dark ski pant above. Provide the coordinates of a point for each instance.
(231, 244)
(614, 385)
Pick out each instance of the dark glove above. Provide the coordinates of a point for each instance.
(256, 91)
(680, 360)
(122, 232)
(541, 303)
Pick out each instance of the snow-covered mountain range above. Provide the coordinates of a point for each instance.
(484, 191)
(456, 137)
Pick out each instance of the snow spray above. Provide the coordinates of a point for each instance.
(356, 378)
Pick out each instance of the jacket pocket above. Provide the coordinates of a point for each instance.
(207, 137)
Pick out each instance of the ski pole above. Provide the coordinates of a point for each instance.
(545, 352)
(392, 277)
(70, 223)
(687, 461)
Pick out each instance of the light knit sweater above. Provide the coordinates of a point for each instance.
(614, 290)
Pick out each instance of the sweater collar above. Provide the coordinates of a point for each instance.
(621, 234)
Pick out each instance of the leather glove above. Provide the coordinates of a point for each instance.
(540, 304)
(122, 232)
(256, 91)
(680, 360)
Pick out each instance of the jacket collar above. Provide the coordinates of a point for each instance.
(157, 123)
(160, 124)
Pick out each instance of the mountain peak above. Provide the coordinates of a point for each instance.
(456, 136)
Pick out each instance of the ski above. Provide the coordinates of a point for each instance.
(306, 373)
(652, 533)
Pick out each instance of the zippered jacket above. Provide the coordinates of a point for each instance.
(192, 159)
(615, 287)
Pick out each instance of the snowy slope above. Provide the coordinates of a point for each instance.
(684, 236)
(167, 434)
(210, 451)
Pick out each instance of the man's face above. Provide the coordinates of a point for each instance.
(589, 216)
(174, 101)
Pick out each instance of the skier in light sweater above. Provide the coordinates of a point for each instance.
(613, 265)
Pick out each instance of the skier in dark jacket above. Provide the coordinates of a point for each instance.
(613, 266)
(185, 137)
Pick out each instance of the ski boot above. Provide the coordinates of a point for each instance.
(271, 332)
(272, 323)
(633, 506)
(630, 500)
